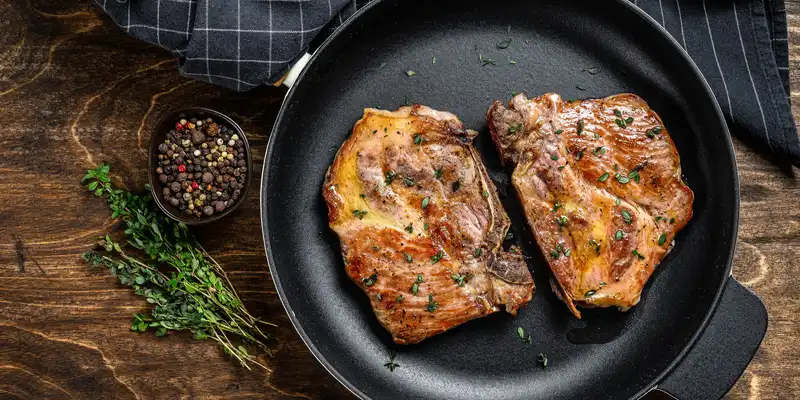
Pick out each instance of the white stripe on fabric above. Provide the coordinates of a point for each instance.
(127, 27)
(238, 44)
(188, 17)
(223, 77)
(302, 32)
(235, 60)
(258, 30)
(716, 58)
(269, 66)
(208, 66)
(752, 82)
(680, 18)
(158, 22)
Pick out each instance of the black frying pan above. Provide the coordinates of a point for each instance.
(695, 329)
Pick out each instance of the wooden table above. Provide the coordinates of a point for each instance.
(76, 91)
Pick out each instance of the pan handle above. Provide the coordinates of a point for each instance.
(722, 352)
(291, 76)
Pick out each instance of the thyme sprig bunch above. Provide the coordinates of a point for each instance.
(187, 288)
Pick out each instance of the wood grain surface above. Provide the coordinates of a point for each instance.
(76, 91)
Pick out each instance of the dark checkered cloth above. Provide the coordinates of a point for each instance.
(740, 45)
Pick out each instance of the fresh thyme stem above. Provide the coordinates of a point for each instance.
(188, 289)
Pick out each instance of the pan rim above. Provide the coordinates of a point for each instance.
(654, 25)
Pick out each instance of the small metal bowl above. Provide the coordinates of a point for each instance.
(163, 127)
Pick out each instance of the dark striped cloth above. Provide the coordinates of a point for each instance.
(740, 45)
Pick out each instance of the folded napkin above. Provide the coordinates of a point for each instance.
(740, 46)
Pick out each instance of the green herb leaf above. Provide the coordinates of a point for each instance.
(409, 228)
(370, 280)
(391, 365)
(589, 293)
(477, 253)
(553, 157)
(409, 181)
(485, 194)
(603, 177)
(504, 44)
(437, 173)
(599, 150)
(436, 257)
(425, 202)
(515, 128)
(595, 245)
(359, 214)
(637, 254)
(662, 239)
(619, 235)
(542, 358)
(459, 279)
(420, 279)
(432, 305)
(415, 288)
(389, 177)
(580, 127)
(558, 132)
(622, 179)
(410, 73)
(626, 216)
(417, 138)
(408, 257)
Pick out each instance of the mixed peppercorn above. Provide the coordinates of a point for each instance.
(202, 167)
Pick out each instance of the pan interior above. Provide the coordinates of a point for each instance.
(575, 48)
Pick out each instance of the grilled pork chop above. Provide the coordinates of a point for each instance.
(421, 225)
(600, 183)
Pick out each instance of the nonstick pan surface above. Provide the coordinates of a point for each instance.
(579, 49)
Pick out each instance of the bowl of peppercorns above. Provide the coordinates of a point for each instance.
(200, 165)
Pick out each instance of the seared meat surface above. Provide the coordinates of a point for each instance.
(600, 183)
(421, 225)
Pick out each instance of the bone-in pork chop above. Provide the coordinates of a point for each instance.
(600, 183)
(421, 225)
